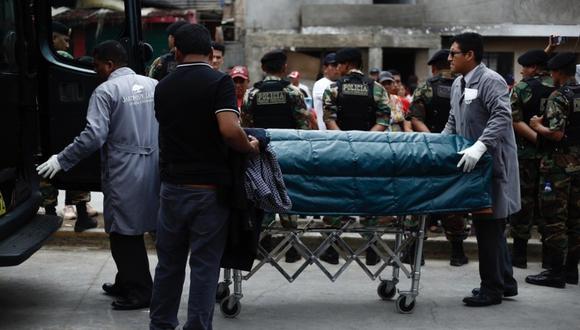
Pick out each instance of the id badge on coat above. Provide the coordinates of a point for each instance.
(469, 95)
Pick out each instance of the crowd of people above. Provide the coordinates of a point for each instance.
(177, 128)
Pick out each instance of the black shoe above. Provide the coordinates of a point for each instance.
(547, 278)
(330, 256)
(506, 294)
(481, 300)
(458, 261)
(50, 210)
(127, 304)
(113, 290)
(292, 255)
(520, 253)
(82, 224)
(371, 258)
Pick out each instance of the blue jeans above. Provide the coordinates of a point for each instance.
(190, 220)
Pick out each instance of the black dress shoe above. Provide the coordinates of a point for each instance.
(127, 304)
(506, 294)
(548, 278)
(112, 290)
(481, 300)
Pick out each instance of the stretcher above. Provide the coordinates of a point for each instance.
(365, 174)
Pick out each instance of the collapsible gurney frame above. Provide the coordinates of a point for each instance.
(405, 237)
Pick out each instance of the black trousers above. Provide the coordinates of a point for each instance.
(495, 267)
(133, 275)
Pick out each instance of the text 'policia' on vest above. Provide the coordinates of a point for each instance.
(271, 105)
(355, 94)
(438, 109)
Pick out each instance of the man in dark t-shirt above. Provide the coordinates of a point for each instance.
(198, 121)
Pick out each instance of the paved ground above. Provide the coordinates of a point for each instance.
(60, 289)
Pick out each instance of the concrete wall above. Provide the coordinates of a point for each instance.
(283, 14)
(437, 13)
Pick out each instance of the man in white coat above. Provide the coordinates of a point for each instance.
(121, 122)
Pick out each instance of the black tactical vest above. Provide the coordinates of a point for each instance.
(572, 134)
(271, 105)
(437, 111)
(356, 106)
(168, 65)
(536, 106)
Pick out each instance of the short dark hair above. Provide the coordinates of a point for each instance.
(274, 66)
(174, 27)
(111, 50)
(193, 39)
(470, 41)
(218, 46)
(274, 61)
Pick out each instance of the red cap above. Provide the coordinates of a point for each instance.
(294, 75)
(239, 71)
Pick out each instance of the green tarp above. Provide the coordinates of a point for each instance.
(371, 173)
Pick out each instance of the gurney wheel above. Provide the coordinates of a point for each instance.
(223, 290)
(230, 310)
(402, 307)
(386, 290)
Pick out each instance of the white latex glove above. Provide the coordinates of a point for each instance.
(471, 156)
(49, 168)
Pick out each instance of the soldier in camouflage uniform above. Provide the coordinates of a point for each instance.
(559, 133)
(354, 102)
(275, 103)
(166, 63)
(428, 113)
(528, 98)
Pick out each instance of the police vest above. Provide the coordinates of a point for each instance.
(536, 106)
(572, 133)
(168, 65)
(271, 105)
(437, 111)
(356, 106)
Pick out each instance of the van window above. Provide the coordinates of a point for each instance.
(77, 29)
(8, 62)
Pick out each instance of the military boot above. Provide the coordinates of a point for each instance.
(83, 221)
(330, 256)
(546, 257)
(371, 257)
(571, 268)
(458, 257)
(292, 255)
(553, 277)
(50, 210)
(520, 253)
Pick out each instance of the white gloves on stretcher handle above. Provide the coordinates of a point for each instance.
(471, 156)
(49, 168)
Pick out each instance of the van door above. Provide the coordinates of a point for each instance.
(66, 37)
